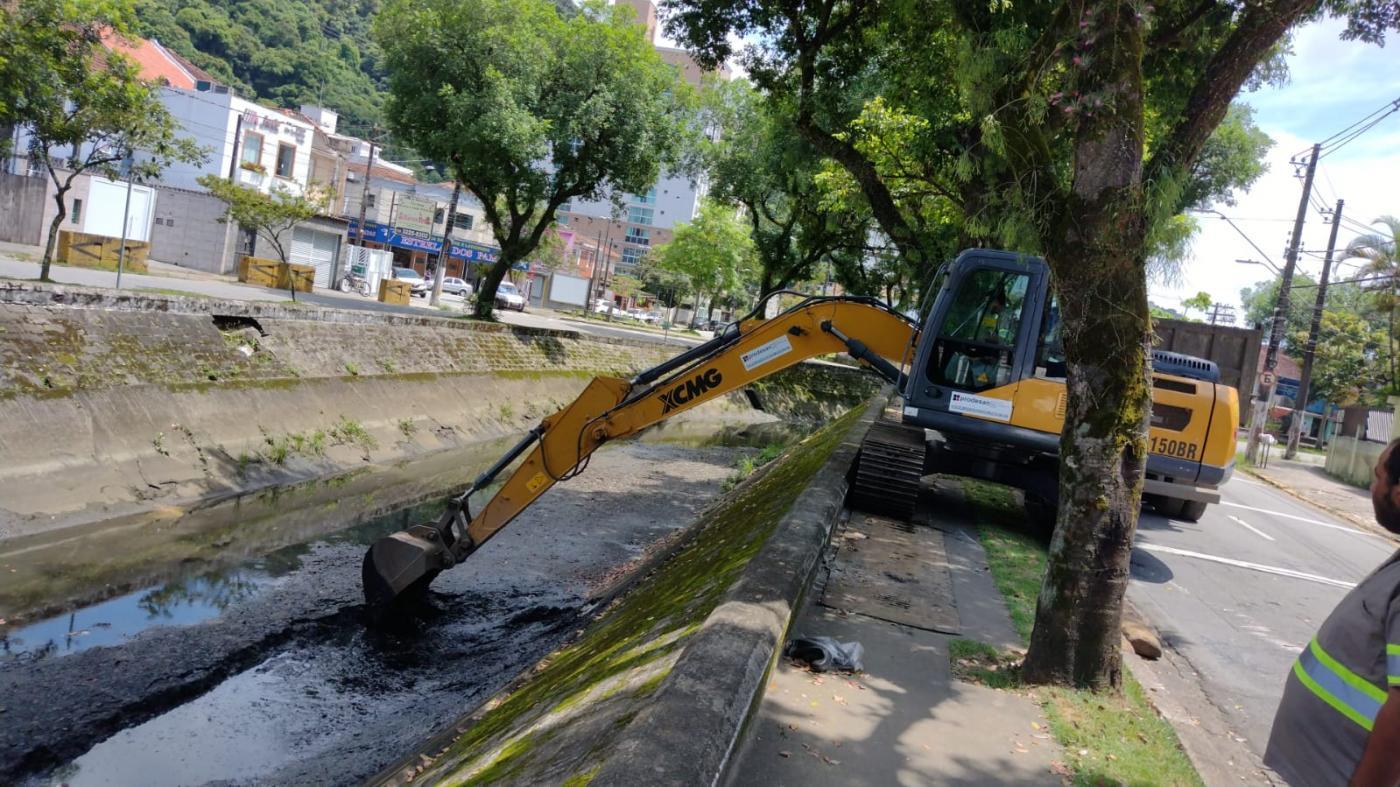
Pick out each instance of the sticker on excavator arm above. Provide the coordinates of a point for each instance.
(984, 406)
(536, 481)
(765, 352)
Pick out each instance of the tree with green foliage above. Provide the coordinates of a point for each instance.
(1201, 302)
(84, 108)
(1347, 361)
(1382, 258)
(1074, 130)
(529, 110)
(271, 214)
(1260, 299)
(714, 253)
(758, 163)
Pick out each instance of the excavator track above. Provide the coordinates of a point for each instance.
(888, 469)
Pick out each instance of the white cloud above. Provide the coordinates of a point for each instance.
(1334, 83)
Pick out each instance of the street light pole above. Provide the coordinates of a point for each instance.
(126, 213)
(1300, 402)
(1261, 407)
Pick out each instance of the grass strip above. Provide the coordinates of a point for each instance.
(1109, 738)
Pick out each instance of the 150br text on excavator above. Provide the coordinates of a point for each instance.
(982, 383)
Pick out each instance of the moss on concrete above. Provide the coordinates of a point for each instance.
(560, 724)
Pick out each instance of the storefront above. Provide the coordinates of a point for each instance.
(417, 250)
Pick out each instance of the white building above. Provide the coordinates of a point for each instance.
(646, 220)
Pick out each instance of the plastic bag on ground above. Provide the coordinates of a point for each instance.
(824, 654)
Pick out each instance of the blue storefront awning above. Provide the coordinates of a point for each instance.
(392, 236)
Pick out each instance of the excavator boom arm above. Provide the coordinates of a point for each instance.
(610, 408)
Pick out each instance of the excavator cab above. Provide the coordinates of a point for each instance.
(981, 339)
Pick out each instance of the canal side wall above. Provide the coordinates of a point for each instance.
(119, 403)
(659, 687)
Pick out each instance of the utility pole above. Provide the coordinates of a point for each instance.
(1222, 313)
(446, 253)
(364, 197)
(1261, 407)
(237, 138)
(126, 217)
(1300, 403)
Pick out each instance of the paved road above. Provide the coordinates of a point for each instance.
(13, 268)
(1239, 593)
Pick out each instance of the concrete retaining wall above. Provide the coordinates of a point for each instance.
(657, 690)
(22, 209)
(1350, 459)
(165, 401)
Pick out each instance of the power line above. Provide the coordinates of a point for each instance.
(1355, 130)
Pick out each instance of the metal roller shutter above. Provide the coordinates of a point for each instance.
(316, 249)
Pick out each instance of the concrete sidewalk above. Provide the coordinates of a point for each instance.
(905, 720)
(1309, 483)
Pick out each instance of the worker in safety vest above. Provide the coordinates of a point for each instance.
(1339, 720)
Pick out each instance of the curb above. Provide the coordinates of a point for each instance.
(690, 732)
(1365, 524)
(19, 293)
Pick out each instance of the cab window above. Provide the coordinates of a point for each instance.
(1050, 352)
(976, 341)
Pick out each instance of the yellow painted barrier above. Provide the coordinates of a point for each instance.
(86, 250)
(395, 291)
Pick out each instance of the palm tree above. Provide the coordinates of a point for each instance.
(1382, 263)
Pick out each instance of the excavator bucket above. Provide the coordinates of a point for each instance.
(400, 566)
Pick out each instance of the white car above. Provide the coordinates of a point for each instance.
(456, 286)
(641, 315)
(603, 306)
(508, 297)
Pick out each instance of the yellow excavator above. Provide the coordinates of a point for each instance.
(983, 393)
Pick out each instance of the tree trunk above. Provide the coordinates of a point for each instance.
(486, 296)
(1094, 237)
(52, 241)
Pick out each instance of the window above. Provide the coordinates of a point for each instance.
(637, 215)
(77, 210)
(439, 215)
(975, 345)
(639, 236)
(252, 148)
(1050, 354)
(463, 221)
(648, 198)
(369, 200)
(286, 159)
(631, 255)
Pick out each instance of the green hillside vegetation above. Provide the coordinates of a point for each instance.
(282, 52)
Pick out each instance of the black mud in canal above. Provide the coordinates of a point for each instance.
(227, 644)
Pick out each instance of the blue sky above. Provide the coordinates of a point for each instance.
(1332, 84)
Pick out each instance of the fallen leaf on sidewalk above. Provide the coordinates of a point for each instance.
(784, 754)
(1035, 725)
(1060, 769)
(838, 699)
(1083, 752)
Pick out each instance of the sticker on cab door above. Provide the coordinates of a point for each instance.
(986, 407)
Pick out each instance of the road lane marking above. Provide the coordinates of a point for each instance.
(1317, 522)
(1256, 531)
(1282, 572)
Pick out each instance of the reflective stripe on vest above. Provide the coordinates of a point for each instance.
(1392, 664)
(1348, 693)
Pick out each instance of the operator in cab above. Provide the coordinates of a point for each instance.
(1339, 719)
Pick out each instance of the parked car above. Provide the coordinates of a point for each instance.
(509, 297)
(456, 286)
(642, 315)
(420, 285)
(603, 306)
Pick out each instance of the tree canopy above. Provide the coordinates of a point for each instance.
(1079, 131)
(85, 109)
(529, 110)
(271, 214)
(714, 254)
